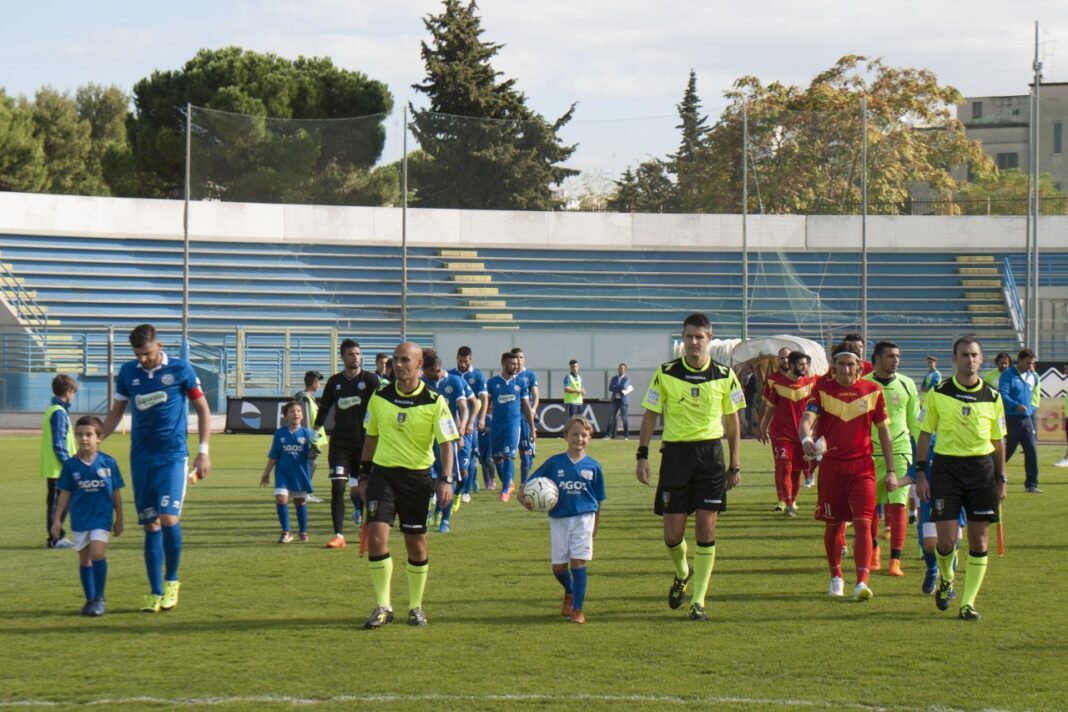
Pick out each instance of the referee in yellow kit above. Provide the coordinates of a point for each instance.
(404, 419)
(699, 401)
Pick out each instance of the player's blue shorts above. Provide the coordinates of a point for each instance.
(435, 469)
(504, 441)
(466, 452)
(159, 488)
(525, 443)
(292, 481)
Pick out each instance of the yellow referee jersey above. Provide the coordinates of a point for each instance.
(965, 419)
(693, 401)
(407, 424)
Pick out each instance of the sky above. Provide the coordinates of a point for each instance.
(624, 62)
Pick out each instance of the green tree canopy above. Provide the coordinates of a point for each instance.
(22, 156)
(805, 143)
(271, 129)
(482, 147)
(1005, 193)
(68, 145)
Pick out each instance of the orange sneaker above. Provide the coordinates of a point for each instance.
(577, 617)
(338, 542)
(876, 561)
(895, 568)
(565, 607)
(505, 496)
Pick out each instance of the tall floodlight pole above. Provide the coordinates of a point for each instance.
(185, 233)
(864, 218)
(745, 220)
(1036, 115)
(404, 227)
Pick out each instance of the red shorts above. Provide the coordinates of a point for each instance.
(846, 490)
(789, 455)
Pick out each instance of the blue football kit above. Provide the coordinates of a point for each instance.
(292, 450)
(581, 484)
(92, 487)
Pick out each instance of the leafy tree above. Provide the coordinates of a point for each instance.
(22, 157)
(1005, 193)
(105, 109)
(482, 146)
(67, 141)
(246, 144)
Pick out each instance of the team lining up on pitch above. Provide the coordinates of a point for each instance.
(413, 439)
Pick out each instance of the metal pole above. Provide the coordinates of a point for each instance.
(404, 228)
(745, 220)
(1027, 210)
(185, 234)
(1034, 310)
(864, 218)
(111, 366)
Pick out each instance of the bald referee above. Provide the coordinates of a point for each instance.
(404, 419)
(968, 472)
(698, 400)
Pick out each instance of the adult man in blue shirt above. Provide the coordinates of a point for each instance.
(619, 389)
(509, 405)
(160, 388)
(1019, 387)
(477, 402)
(454, 390)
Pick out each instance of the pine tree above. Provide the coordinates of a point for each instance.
(686, 163)
(481, 146)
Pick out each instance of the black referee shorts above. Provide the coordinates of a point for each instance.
(344, 458)
(692, 477)
(963, 483)
(399, 492)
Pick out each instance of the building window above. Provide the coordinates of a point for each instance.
(1058, 138)
(977, 109)
(1008, 160)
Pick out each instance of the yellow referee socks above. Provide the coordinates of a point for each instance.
(678, 557)
(416, 582)
(945, 564)
(703, 561)
(381, 573)
(973, 578)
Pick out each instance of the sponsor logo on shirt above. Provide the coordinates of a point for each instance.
(586, 474)
(167, 379)
(92, 485)
(694, 377)
(737, 397)
(505, 398)
(149, 400)
(983, 512)
(293, 449)
(349, 401)
(572, 486)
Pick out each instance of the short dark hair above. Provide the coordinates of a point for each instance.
(142, 335)
(346, 345)
(796, 356)
(62, 384)
(311, 377)
(517, 351)
(381, 356)
(963, 341)
(853, 336)
(508, 355)
(289, 406)
(431, 359)
(883, 346)
(933, 358)
(1001, 355)
(1025, 353)
(846, 345)
(621, 363)
(699, 320)
(463, 351)
(93, 421)
(572, 362)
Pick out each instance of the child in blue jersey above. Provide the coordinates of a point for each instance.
(573, 521)
(90, 484)
(292, 451)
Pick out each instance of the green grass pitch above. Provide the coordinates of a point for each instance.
(266, 626)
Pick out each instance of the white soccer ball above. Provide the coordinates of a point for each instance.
(541, 493)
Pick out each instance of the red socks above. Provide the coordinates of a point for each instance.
(862, 548)
(833, 538)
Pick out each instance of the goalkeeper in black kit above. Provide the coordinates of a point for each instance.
(346, 395)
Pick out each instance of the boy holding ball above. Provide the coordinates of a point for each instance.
(573, 521)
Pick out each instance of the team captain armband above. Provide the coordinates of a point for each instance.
(195, 393)
(812, 407)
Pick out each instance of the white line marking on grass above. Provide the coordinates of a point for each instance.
(569, 698)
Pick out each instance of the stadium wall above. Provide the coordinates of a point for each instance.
(37, 214)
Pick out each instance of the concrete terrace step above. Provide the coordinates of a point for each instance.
(481, 316)
(483, 278)
(996, 308)
(993, 271)
(462, 254)
(989, 259)
(969, 283)
(478, 291)
(465, 266)
(486, 303)
(991, 320)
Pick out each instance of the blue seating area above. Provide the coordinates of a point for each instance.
(84, 285)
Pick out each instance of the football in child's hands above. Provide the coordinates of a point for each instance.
(541, 493)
